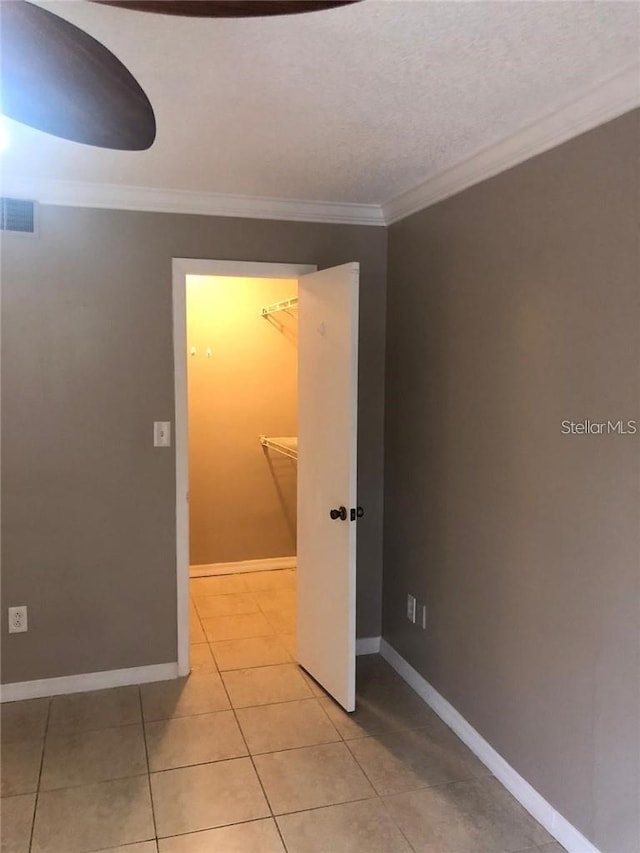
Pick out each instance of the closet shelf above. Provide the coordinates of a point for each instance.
(284, 305)
(285, 444)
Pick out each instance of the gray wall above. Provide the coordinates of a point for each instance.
(88, 537)
(512, 306)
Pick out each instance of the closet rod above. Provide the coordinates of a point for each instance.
(279, 306)
(287, 445)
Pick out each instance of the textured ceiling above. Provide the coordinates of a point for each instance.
(356, 104)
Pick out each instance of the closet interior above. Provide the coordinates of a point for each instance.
(242, 414)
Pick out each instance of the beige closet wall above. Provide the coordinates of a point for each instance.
(242, 371)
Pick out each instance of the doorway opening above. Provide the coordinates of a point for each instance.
(242, 421)
(263, 537)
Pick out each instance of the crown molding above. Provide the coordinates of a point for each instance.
(116, 197)
(607, 101)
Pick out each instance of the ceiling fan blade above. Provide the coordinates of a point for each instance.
(58, 79)
(227, 8)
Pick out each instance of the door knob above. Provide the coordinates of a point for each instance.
(358, 512)
(340, 513)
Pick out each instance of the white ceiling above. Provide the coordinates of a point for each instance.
(357, 104)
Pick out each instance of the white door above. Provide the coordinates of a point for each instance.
(327, 477)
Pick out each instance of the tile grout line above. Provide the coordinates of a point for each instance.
(44, 744)
(277, 637)
(224, 595)
(244, 590)
(378, 795)
(326, 713)
(396, 824)
(73, 732)
(242, 639)
(148, 772)
(235, 716)
(253, 764)
(293, 748)
(237, 757)
(451, 783)
(341, 739)
(131, 844)
(198, 617)
(240, 707)
(146, 754)
(260, 666)
(254, 594)
(95, 782)
(207, 828)
(331, 806)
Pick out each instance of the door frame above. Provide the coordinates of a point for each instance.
(181, 268)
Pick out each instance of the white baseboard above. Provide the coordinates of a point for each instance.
(87, 681)
(367, 645)
(560, 828)
(269, 564)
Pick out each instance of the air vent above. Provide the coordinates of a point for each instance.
(18, 215)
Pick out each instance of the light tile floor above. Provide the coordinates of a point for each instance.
(249, 755)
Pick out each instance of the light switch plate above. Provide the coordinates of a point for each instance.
(162, 433)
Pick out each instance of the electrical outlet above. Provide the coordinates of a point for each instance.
(423, 616)
(411, 608)
(18, 619)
